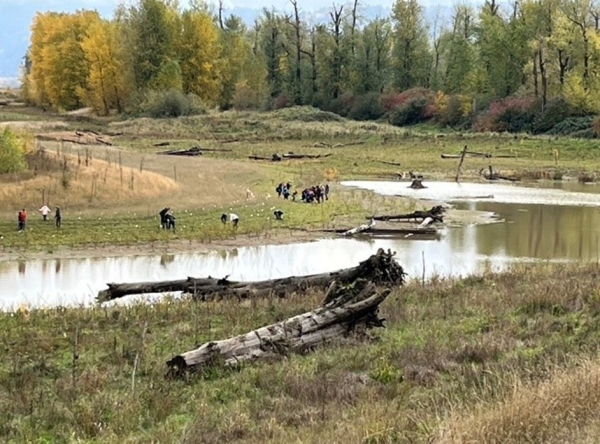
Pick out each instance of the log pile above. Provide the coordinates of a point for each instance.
(379, 268)
(346, 307)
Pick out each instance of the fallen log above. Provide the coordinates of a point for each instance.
(193, 151)
(359, 229)
(288, 156)
(162, 144)
(472, 154)
(492, 175)
(345, 309)
(304, 156)
(385, 162)
(378, 231)
(379, 268)
(435, 213)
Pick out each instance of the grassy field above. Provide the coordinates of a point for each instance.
(508, 357)
(226, 181)
(498, 358)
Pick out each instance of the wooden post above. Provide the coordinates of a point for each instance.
(462, 159)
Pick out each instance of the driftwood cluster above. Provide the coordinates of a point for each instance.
(351, 301)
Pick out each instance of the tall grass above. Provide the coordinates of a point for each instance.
(508, 357)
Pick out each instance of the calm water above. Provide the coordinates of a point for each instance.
(549, 224)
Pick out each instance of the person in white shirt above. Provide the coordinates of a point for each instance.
(45, 212)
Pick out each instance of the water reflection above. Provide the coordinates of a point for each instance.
(531, 231)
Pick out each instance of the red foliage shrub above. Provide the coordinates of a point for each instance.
(393, 100)
(282, 101)
(511, 114)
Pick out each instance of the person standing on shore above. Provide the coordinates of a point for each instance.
(45, 212)
(22, 218)
(58, 217)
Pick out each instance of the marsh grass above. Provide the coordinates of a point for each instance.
(488, 358)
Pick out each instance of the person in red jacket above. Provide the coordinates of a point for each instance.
(22, 219)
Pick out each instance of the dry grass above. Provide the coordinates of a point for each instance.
(72, 181)
(547, 412)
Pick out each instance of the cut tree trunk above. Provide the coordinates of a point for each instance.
(379, 268)
(345, 308)
(416, 184)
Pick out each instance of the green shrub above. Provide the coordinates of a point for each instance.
(306, 114)
(452, 114)
(410, 112)
(556, 111)
(366, 107)
(342, 105)
(572, 125)
(12, 153)
(172, 103)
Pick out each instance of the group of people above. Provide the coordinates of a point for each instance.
(317, 193)
(167, 219)
(285, 190)
(45, 211)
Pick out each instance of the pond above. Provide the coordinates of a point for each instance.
(551, 223)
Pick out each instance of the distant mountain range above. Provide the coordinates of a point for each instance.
(16, 17)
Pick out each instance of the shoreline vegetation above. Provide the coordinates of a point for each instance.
(492, 357)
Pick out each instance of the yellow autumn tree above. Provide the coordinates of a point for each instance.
(107, 82)
(199, 56)
(59, 69)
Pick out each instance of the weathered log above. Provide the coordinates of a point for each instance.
(379, 268)
(492, 175)
(162, 144)
(435, 212)
(289, 156)
(472, 154)
(193, 151)
(377, 231)
(385, 162)
(304, 156)
(344, 309)
(359, 229)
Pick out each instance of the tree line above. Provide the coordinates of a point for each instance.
(531, 58)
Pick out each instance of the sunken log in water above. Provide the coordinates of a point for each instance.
(379, 268)
(345, 308)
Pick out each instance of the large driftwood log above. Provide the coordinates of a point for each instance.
(436, 213)
(343, 310)
(379, 268)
